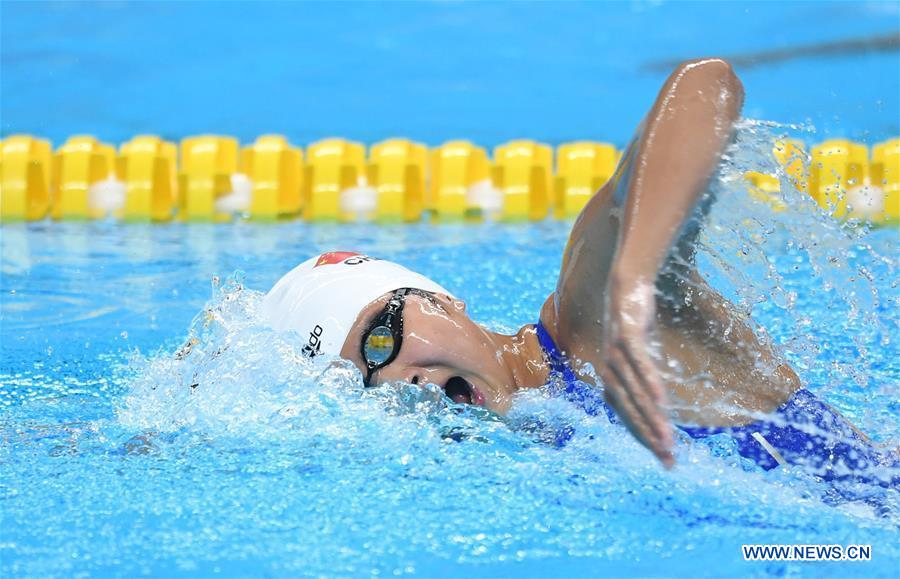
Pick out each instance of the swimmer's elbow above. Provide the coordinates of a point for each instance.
(708, 67)
(710, 70)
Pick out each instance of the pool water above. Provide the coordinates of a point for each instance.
(244, 458)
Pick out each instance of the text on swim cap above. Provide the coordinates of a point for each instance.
(313, 346)
(359, 259)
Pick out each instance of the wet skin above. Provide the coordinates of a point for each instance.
(444, 347)
(629, 300)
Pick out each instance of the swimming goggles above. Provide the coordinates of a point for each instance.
(381, 343)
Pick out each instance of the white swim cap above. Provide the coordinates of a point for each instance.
(322, 297)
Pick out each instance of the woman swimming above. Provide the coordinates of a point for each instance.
(630, 327)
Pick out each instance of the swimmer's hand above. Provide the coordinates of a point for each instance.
(634, 387)
(628, 230)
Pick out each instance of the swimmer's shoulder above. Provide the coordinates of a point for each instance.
(568, 333)
(549, 318)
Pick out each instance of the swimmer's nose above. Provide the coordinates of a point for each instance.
(421, 376)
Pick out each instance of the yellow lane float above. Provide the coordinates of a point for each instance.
(582, 168)
(147, 165)
(205, 180)
(271, 179)
(26, 187)
(838, 166)
(398, 171)
(885, 174)
(275, 169)
(334, 167)
(791, 159)
(523, 172)
(460, 174)
(80, 164)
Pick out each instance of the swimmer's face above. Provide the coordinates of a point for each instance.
(441, 346)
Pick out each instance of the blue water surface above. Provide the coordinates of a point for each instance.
(485, 71)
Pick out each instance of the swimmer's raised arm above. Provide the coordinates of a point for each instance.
(603, 311)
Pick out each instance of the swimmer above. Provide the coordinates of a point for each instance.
(629, 303)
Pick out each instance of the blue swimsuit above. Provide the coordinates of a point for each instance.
(792, 435)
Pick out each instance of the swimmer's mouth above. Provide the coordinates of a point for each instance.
(460, 391)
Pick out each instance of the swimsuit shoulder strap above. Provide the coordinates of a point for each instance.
(564, 382)
(555, 358)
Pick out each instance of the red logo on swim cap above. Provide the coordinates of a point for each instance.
(333, 257)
